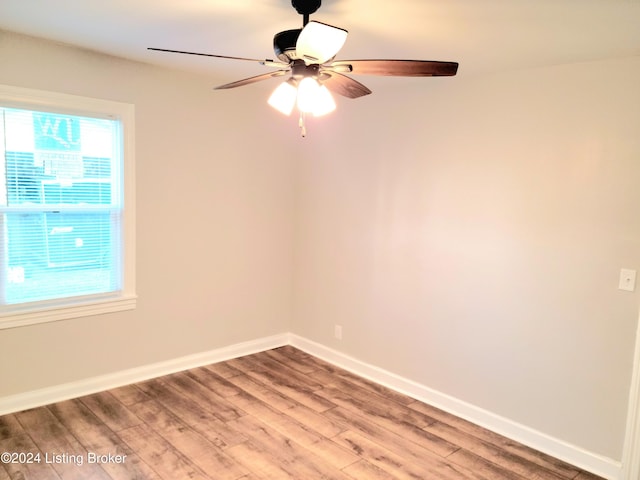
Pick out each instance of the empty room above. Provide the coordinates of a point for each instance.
(319, 240)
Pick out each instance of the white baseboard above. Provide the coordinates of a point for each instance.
(597, 464)
(58, 393)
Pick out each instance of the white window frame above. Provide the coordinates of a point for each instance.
(12, 316)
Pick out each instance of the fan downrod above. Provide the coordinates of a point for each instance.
(306, 8)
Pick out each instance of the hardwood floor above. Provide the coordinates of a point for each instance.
(280, 414)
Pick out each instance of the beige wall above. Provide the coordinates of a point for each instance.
(468, 233)
(214, 222)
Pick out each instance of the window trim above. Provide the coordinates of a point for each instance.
(82, 306)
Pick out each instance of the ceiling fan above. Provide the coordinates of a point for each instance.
(307, 56)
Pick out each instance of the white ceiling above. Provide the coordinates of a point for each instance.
(483, 36)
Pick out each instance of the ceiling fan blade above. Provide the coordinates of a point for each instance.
(267, 62)
(247, 81)
(319, 42)
(345, 86)
(400, 68)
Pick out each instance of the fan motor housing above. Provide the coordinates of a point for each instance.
(284, 44)
(306, 7)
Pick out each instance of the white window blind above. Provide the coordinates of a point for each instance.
(61, 209)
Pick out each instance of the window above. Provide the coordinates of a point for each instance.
(66, 207)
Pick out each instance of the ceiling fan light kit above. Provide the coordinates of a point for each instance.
(307, 55)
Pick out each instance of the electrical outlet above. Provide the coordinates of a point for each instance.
(627, 280)
(337, 332)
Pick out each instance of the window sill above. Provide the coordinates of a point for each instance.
(48, 314)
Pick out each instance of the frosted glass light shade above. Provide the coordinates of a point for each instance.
(324, 102)
(283, 98)
(319, 42)
(314, 98)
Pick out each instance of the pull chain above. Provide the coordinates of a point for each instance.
(301, 124)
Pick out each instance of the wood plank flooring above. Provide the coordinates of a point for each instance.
(280, 414)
